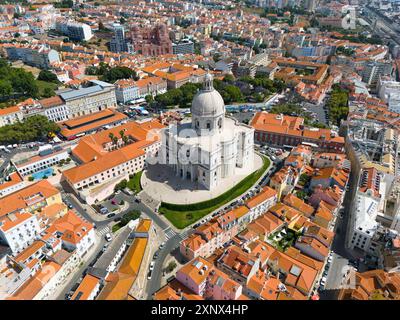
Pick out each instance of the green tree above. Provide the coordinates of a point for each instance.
(6, 89)
(48, 92)
(131, 215)
(48, 76)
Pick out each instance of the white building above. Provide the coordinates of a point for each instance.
(389, 91)
(40, 56)
(18, 230)
(13, 183)
(211, 146)
(76, 233)
(74, 30)
(10, 115)
(99, 96)
(368, 202)
(46, 158)
(126, 90)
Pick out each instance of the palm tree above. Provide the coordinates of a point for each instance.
(111, 136)
(113, 139)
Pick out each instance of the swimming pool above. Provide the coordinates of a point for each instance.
(46, 172)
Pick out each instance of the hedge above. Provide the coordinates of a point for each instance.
(195, 211)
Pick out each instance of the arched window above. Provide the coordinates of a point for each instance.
(208, 125)
(197, 124)
(219, 123)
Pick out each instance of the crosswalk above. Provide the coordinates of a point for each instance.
(103, 231)
(169, 233)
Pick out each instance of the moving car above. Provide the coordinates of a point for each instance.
(152, 266)
(155, 256)
(108, 237)
(110, 215)
(149, 275)
(161, 245)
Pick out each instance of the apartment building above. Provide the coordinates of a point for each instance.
(389, 91)
(74, 30)
(183, 47)
(12, 183)
(175, 74)
(282, 130)
(126, 90)
(39, 56)
(18, 230)
(210, 236)
(10, 115)
(369, 200)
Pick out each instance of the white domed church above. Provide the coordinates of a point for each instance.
(210, 147)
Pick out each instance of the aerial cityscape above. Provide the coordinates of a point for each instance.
(199, 150)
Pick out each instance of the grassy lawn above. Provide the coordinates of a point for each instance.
(134, 183)
(43, 84)
(182, 216)
(116, 227)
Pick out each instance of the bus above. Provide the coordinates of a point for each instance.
(140, 110)
(136, 102)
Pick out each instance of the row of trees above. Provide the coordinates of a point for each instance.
(231, 89)
(181, 96)
(108, 74)
(338, 104)
(31, 129)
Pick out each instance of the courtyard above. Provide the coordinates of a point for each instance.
(163, 185)
(183, 215)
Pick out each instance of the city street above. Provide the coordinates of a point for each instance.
(342, 254)
(76, 276)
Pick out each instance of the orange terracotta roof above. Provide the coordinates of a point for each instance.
(265, 194)
(86, 287)
(25, 197)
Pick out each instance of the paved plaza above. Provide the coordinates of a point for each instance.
(162, 184)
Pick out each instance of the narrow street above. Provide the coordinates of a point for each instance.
(342, 255)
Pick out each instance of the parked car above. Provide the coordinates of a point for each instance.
(68, 296)
(323, 281)
(149, 275)
(104, 210)
(152, 266)
(111, 215)
(155, 256)
(161, 245)
(113, 202)
(108, 237)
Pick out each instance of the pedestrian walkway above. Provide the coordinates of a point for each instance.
(169, 233)
(103, 231)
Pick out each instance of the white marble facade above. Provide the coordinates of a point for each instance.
(211, 146)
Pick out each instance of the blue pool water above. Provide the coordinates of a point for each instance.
(46, 172)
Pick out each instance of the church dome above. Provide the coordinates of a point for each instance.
(208, 102)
